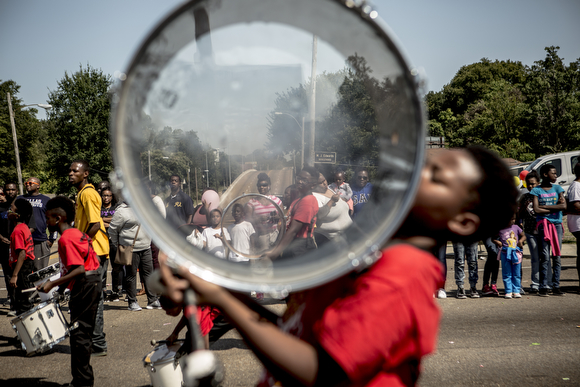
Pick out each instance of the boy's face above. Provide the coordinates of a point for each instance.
(77, 174)
(552, 175)
(52, 220)
(10, 191)
(531, 183)
(215, 218)
(446, 190)
(237, 214)
(339, 177)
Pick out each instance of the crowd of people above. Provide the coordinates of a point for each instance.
(537, 224)
(464, 196)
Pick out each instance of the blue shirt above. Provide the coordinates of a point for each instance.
(360, 196)
(38, 204)
(549, 198)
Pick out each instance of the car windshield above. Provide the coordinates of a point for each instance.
(532, 165)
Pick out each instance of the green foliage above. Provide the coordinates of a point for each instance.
(348, 103)
(78, 125)
(30, 133)
(520, 111)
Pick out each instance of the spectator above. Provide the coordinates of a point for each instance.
(511, 243)
(333, 217)
(361, 190)
(491, 268)
(108, 209)
(527, 221)
(242, 233)
(42, 241)
(342, 189)
(549, 203)
(263, 215)
(462, 253)
(125, 230)
(574, 214)
(178, 206)
(5, 231)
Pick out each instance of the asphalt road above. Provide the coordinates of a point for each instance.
(490, 341)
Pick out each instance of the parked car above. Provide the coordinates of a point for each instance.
(564, 164)
(518, 168)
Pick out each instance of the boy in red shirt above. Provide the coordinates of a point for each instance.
(373, 327)
(79, 272)
(21, 254)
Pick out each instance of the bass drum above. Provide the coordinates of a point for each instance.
(224, 90)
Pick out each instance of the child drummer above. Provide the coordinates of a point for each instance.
(79, 264)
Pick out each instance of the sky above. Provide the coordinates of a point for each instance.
(41, 40)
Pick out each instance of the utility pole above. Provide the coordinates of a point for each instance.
(312, 101)
(149, 157)
(15, 140)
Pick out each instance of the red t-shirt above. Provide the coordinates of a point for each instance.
(303, 210)
(73, 247)
(377, 324)
(20, 239)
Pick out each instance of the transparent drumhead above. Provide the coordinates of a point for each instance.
(228, 98)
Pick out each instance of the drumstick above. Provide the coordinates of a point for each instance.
(28, 290)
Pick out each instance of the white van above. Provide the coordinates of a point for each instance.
(564, 163)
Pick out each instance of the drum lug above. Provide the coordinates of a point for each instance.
(45, 326)
(153, 368)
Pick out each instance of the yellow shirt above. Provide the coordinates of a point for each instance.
(88, 210)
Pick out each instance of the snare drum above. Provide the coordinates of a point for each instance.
(164, 370)
(41, 328)
(41, 276)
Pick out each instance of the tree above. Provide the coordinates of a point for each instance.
(520, 111)
(78, 125)
(30, 134)
(553, 93)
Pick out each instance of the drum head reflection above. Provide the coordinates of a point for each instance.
(242, 97)
(252, 225)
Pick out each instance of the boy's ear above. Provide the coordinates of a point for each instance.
(464, 224)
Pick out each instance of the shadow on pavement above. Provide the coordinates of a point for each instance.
(225, 344)
(26, 382)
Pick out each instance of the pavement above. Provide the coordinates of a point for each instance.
(490, 341)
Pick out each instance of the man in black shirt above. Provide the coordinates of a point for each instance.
(178, 206)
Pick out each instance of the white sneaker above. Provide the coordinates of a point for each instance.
(441, 293)
(517, 295)
(508, 295)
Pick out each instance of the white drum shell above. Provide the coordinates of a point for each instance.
(163, 370)
(41, 328)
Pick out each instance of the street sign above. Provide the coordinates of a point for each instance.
(325, 157)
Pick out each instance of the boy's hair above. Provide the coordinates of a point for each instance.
(497, 194)
(65, 204)
(84, 164)
(545, 169)
(172, 176)
(24, 209)
(264, 177)
(533, 174)
(313, 172)
(577, 169)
